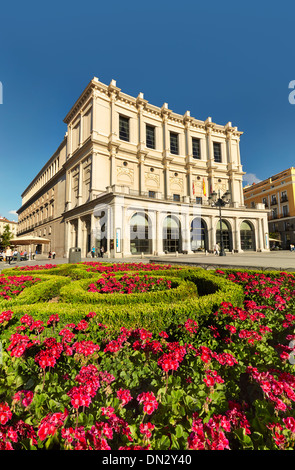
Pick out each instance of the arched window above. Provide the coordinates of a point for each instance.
(247, 236)
(140, 234)
(226, 235)
(198, 235)
(171, 234)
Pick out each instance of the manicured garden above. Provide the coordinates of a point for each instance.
(97, 356)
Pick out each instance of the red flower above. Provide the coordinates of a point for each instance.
(149, 401)
(5, 413)
(124, 396)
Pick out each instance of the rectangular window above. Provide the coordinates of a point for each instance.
(217, 152)
(196, 148)
(285, 211)
(284, 197)
(152, 194)
(173, 143)
(176, 197)
(273, 199)
(198, 200)
(124, 128)
(150, 137)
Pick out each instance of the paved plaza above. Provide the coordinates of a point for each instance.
(274, 260)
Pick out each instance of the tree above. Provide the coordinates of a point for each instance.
(6, 237)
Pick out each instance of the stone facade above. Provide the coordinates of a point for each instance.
(134, 178)
(277, 195)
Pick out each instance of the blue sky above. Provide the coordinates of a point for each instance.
(230, 61)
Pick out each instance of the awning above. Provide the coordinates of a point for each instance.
(29, 240)
(275, 240)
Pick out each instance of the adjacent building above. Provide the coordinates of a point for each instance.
(278, 196)
(12, 226)
(136, 178)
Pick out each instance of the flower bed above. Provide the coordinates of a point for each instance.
(219, 375)
(36, 267)
(127, 284)
(11, 286)
(93, 266)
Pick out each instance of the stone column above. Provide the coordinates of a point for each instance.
(80, 191)
(81, 130)
(69, 141)
(68, 233)
(141, 157)
(211, 233)
(79, 233)
(125, 233)
(93, 128)
(68, 190)
(93, 231)
(159, 235)
(186, 245)
(237, 246)
(260, 234)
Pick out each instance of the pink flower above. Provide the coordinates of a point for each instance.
(124, 396)
(290, 423)
(146, 428)
(25, 396)
(5, 413)
(149, 401)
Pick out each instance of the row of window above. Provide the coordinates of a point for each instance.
(124, 134)
(285, 212)
(274, 200)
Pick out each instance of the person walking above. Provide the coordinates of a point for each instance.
(101, 251)
(93, 252)
(8, 255)
(216, 249)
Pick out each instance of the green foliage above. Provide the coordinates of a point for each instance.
(5, 237)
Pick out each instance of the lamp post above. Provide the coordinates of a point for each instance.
(220, 201)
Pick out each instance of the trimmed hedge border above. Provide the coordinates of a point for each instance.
(77, 292)
(44, 290)
(155, 316)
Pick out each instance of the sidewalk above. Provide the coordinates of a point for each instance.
(274, 260)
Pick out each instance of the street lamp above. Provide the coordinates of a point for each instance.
(220, 201)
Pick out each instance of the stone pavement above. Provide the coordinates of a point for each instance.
(282, 260)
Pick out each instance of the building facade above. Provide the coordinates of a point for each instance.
(12, 226)
(136, 178)
(278, 196)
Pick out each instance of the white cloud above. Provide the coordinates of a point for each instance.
(12, 212)
(250, 178)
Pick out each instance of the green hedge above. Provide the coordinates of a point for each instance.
(77, 292)
(156, 316)
(42, 291)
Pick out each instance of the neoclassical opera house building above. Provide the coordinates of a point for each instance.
(136, 178)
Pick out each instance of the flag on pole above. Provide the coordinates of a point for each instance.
(194, 192)
(204, 187)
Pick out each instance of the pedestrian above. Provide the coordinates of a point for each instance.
(49, 254)
(216, 249)
(93, 252)
(101, 251)
(53, 255)
(8, 255)
(291, 247)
